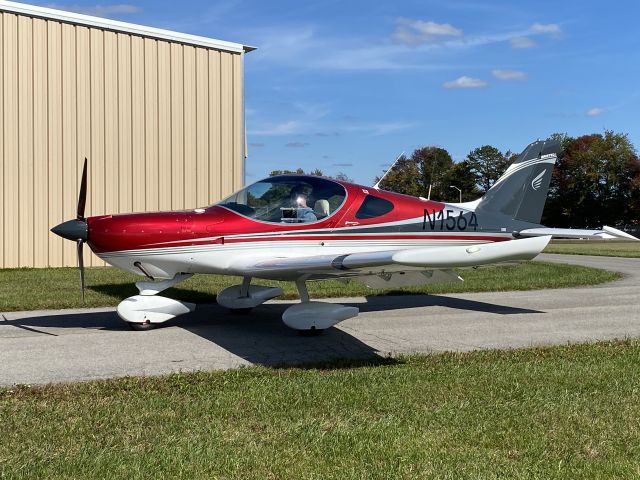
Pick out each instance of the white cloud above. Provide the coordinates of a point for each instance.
(297, 144)
(386, 128)
(99, 10)
(306, 118)
(465, 82)
(378, 129)
(285, 45)
(282, 128)
(414, 45)
(509, 74)
(548, 28)
(595, 111)
(522, 42)
(416, 32)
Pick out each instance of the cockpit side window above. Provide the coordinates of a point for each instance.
(373, 207)
(288, 199)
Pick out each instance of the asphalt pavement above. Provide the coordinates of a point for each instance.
(76, 345)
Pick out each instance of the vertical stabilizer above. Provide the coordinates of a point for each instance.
(521, 192)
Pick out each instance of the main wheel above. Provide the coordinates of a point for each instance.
(141, 327)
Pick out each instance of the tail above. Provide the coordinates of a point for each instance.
(521, 192)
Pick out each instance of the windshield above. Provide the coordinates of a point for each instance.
(288, 199)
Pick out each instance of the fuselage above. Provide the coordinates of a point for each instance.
(216, 239)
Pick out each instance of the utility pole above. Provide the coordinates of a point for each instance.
(460, 191)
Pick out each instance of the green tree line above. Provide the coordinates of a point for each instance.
(596, 180)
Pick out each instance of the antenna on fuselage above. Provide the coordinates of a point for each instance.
(377, 185)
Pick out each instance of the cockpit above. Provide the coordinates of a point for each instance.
(288, 199)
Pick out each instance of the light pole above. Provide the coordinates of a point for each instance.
(460, 191)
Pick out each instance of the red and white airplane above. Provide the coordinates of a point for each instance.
(302, 228)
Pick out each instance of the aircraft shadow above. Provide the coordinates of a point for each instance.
(92, 321)
(393, 302)
(261, 338)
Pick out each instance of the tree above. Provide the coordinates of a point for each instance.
(315, 172)
(463, 178)
(298, 171)
(596, 182)
(487, 164)
(343, 177)
(429, 170)
(402, 178)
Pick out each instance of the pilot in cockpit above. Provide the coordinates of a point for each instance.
(304, 213)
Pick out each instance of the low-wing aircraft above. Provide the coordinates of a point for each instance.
(302, 228)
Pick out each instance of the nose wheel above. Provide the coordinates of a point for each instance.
(142, 327)
(311, 332)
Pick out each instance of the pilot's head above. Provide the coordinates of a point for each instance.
(298, 198)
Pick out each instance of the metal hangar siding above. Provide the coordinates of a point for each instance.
(159, 115)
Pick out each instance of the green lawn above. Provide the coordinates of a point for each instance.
(608, 248)
(33, 289)
(562, 412)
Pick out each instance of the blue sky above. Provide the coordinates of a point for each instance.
(348, 85)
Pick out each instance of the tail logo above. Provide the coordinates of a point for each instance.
(536, 183)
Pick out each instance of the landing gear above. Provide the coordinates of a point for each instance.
(312, 332)
(141, 327)
(312, 318)
(147, 310)
(242, 298)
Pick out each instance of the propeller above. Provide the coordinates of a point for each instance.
(77, 230)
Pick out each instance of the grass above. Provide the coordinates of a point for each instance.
(54, 288)
(558, 412)
(608, 248)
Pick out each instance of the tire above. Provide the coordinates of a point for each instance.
(141, 327)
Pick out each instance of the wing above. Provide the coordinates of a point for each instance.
(354, 264)
(607, 233)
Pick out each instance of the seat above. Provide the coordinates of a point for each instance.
(321, 208)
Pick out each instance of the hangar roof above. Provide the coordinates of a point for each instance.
(113, 25)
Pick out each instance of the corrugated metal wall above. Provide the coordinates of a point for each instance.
(161, 124)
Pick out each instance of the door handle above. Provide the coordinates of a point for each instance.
(351, 224)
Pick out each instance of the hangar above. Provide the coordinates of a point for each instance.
(158, 114)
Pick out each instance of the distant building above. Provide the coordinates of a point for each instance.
(159, 115)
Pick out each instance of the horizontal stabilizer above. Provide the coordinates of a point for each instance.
(607, 233)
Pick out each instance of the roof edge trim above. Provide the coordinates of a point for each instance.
(124, 27)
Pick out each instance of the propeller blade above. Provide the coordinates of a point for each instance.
(82, 198)
(81, 267)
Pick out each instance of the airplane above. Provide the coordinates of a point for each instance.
(304, 228)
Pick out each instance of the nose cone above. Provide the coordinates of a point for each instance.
(72, 230)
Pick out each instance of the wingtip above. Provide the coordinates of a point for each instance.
(619, 233)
